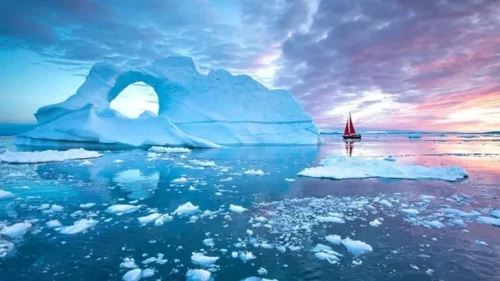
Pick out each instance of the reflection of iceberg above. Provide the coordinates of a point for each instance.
(194, 110)
(136, 184)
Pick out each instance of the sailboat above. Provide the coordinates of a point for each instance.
(349, 131)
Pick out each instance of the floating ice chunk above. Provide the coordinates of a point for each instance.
(118, 161)
(5, 247)
(260, 219)
(342, 167)
(294, 248)
(331, 258)
(254, 172)
(87, 205)
(53, 224)
(458, 222)
(218, 194)
(320, 247)
(179, 180)
(162, 149)
(202, 163)
(266, 245)
(414, 267)
(375, 223)
(47, 156)
(334, 239)
(149, 260)
(16, 230)
(148, 272)
(86, 163)
(227, 179)
(236, 208)
(357, 262)
(234, 255)
(198, 275)
(427, 197)
(191, 188)
(78, 226)
(246, 256)
(249, 232)
(149, 218)
(163, 219)
(434, 223)
(5, 194)
(281, 249)
(120, 209)
(489, 220)
(330, 219)
(201, 259)
(54, 209)
(186, 209)
(289, 180)
(356, 247)
(262, 271)
(410, 211)
(455, 212)
(482, 243)
(495, 213)
(209, 242)
(133, 275)
(128, 263)
(385, 203)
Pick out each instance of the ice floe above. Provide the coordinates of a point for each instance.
(334, 239)
(87, 205)
(202, 260)
(186, 209)
(16, 230)
(149, 218)
(254, 172)
(78, 226)
(163, 149)
(53, 224)
(5, 194)
(133, 275)
(202, 163)
(47, 156)
(120, 209)
(342, 167)
(236, 208)
(198, 275)
(356, 247)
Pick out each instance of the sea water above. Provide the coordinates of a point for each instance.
(268, 224)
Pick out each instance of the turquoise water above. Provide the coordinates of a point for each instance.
(402, 247)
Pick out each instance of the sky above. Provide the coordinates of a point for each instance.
(395, 64)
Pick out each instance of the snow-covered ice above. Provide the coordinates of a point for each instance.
(78, 226)
(195, 110)
(16, 230)
(47, 156)
(186, 209)
(236, 208)
(342, 167)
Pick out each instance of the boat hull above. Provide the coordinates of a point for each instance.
(352, 137)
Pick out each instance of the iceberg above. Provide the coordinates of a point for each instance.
(342, 167)
(16, 157)
(195, 110)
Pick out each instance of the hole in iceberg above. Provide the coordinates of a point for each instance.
(136, 99)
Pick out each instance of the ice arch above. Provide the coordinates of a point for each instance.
(194, 109)
(136, 99)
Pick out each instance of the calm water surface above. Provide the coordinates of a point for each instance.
(404, 248)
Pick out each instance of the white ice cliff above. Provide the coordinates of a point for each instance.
(194, 110)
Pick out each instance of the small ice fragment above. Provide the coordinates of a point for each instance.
(330, 219)
(180, 180)
(87, 205)
(128, 263)
(434, 223)
(78, 226)
(489, 220)
(234, 255)
(201, 259)
(357, 262)
(149, 218)
(5, 194)
(375, 223)
(254, 172)
(209, 242)
(86, 163)
(163, 219)
(191, 188)
(120, 209)
(414, 267)
(289, 180)
(495, 213)
(118, 161)
(260, 219)
(148, 272)
(53, 224)
(281, 249)
(410, 211)
(427, 197)
(132, 275)
(334, 239)
(202, 163)
(294, 248)
(186, 209)
(16, 230)
(162, 149)
(385, 203)
(218, 194)
(198, 275)
(227, 179)
(249, 232)
(236, 208)
(262, 271)
(482, 243)
(331, 258)
(246, 256)
(356, 247)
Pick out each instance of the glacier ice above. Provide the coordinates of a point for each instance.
(195, 110)
(342, 167)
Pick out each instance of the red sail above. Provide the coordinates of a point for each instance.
(346, 130)
(351, 126)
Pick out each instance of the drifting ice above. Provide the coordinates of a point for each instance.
(195, 110)
(47, 156)
(341, 167)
